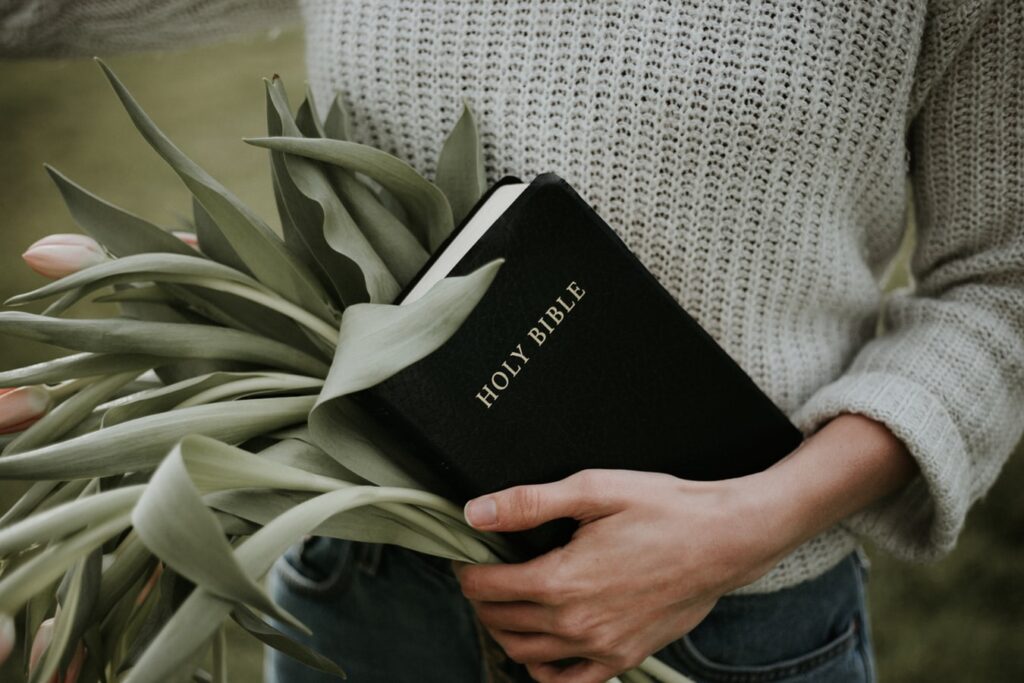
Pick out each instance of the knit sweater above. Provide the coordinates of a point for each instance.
(754, 155)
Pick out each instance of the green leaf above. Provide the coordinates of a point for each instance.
(160, 399)
(220, 656)
(28, 502)
(397, 247)
(120, 233)
(34, 576)
(387, 233)
(202, 274)
(426, 204)
(216, 466)
(240, 313)
(147, 294)
(359, 442)
(307, 119)
(460, 166)
(270, 636)
(366, 525)
(132, 628)
(375, 342)
(321, 221)
(131, 561)
(173, 370)
(78, 365)
(229, 385)
(65, 519)
(149, 267)
(278, 384)
(255, 243)
(172, 521)
(140, 444)
(212, 241)
(338, 124)
(171, 340)
(304, 455)
(202, 613)
(73, 619)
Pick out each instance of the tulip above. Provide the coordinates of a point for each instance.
(188, 238)
(7, 637)
(21, 406)
(44, 634)
(42, 641)
(58, 255)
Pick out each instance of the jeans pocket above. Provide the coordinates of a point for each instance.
(813, 632)
(822, 663)
(318, 566)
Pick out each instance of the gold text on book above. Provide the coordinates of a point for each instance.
(517, 359)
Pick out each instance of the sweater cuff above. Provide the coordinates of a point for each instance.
(920, 522)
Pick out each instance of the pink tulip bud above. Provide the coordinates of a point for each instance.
(59, 255)
(188, 238)
(7, 637)
(21, 406)
(44, 636)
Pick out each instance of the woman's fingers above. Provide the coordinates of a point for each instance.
(535, 648)
(529, 581)
(581, 496)
(520, 617)
(586, 671)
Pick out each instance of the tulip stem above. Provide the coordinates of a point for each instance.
(272, 301)
(661, 671)
(61, 391)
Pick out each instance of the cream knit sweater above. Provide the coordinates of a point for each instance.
(753, 153)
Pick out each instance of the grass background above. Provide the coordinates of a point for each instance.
(958, 620)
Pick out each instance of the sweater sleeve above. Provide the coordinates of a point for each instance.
(947, 376)
(70, 28)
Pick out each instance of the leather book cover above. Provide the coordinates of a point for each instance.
(575, 358)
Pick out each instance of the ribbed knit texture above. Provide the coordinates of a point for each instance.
(754, 155)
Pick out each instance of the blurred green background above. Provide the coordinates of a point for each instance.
(959, 620)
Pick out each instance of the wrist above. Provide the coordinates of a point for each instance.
(760, 522)
(846, 466)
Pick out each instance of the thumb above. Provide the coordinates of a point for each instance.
(525, 507)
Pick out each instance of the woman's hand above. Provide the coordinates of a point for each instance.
(652, 556)
(654, 553)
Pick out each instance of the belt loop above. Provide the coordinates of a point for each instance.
(864, 563)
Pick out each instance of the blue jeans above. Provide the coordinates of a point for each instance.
(389, 615)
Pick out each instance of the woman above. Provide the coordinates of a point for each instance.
(753, 155)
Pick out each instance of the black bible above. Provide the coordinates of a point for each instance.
(575, 358)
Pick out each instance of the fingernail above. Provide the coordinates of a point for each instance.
(482, 512)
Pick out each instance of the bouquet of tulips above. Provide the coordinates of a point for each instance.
(188, 441)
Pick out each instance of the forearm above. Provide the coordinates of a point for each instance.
(846, 466)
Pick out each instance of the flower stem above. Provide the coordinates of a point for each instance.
(61, 391)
